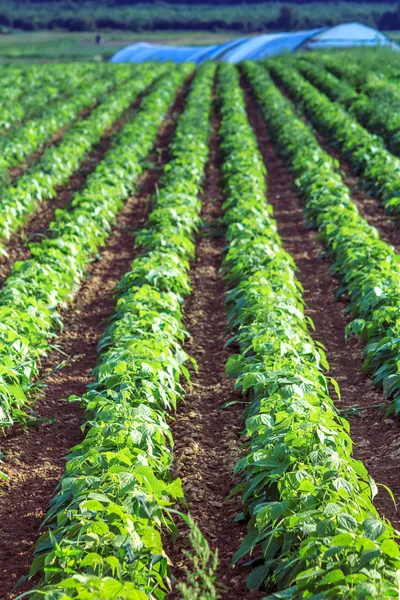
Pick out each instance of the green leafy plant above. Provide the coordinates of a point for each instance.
(367, 267)
(28, 90)
(377, 167)
(103, 527)
(59, 162)
(313, 531)
(376, 106)
(32, 134)
(38, 286)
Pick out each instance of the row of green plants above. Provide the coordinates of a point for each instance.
(36, 287)
(313, 531)
(362, 67)
(104, 525)
(376, 108)
(354, 70)
(21, 79)
(377, 167)
(337, 89)
(59, 162)
(15, 78)
(25, 139)
(348, 70)
(27, 91)
(367, 267)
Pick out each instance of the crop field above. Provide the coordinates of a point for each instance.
(200, 329)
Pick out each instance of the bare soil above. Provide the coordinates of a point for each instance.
(206, 437)
(376, 439)
(35, 459)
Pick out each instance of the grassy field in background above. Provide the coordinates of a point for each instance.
(81, 46)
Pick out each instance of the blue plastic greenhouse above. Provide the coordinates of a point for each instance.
(258, 47)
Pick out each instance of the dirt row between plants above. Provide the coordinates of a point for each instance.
(376, 439)
(37, 225)
(35, 459)
(207, 438)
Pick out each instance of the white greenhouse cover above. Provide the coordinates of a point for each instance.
(258, 47)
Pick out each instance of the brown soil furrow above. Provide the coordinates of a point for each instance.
(206, 437)
(368, 205)
(376, 439)
(35, 459)
(37, 224)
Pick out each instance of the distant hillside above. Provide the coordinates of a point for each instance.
(209, 15)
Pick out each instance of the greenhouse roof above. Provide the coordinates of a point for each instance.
(258, 47)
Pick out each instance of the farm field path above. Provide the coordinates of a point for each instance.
(376, 439)
(35, 459)
(206, 437)
(37, 225)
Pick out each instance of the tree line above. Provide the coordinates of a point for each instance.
(187, 15)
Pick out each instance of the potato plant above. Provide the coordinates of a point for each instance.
(368, 268)
(58, 163)
(32, 134)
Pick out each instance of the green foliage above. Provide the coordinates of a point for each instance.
(104, 524)
(37, 287)
(368, 267)
(26, 91)
(360, 65)
(376, 107)
(201, 15)
(59, 162)
(378, 168)
(29, 136)
(313, 531)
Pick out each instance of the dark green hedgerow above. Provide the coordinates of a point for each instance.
(313, 531)
(103, 538)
